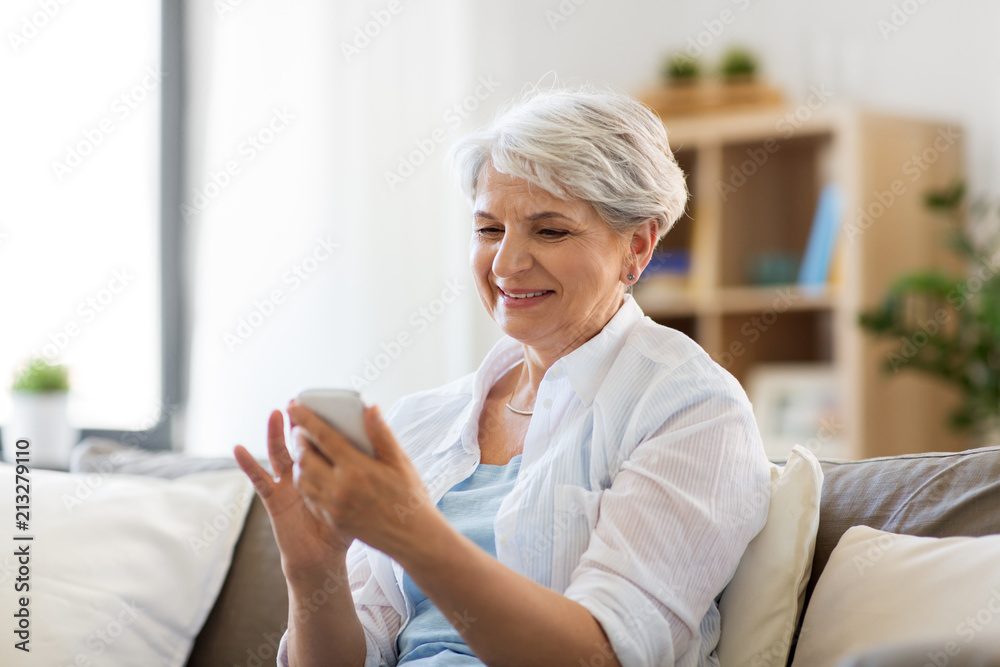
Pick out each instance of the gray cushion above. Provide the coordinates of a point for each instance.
(103, 455)
(936, 495)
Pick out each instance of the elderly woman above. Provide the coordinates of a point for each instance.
(585, 495)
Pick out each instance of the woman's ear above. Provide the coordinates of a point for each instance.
(641, 245)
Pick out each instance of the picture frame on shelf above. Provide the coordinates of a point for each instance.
(798, 403)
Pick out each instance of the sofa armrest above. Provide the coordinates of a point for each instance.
(251, 612)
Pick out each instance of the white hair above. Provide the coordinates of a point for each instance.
(602, 148)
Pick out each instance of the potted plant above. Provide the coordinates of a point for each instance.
(680, 69)
(685, 90)
(40, 397)
(739, 65)
(680, 90)
(739, 70)
(948, 324)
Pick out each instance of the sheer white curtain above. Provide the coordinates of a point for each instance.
(329, 243)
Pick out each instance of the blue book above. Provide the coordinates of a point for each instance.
(815, 268)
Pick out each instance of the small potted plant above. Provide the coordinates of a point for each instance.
(680, 90)
(739, 70)
(684, 89)
(739, 65)
(680, 69)
(40, 394)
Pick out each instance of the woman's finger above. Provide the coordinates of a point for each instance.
(259, 477)
(324, 438)
(304, 444)
(312, 461)
(381, 436)
(277, 452)
(309, 478)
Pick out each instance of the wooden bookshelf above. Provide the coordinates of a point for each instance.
(755, 178)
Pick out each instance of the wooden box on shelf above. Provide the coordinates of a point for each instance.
(755, 179)
(699, 96)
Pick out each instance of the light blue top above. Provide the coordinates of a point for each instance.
(470, 507)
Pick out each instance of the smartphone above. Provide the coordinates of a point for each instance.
(341, 409)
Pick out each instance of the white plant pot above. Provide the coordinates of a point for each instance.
(42, 420)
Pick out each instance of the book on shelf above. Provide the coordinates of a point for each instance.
(815, 268)
(665, 278)
(672, 261)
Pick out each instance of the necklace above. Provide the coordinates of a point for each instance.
(511, 407)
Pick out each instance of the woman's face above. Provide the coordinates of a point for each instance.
(548, 271)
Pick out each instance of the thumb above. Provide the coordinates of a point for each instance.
(386, 446)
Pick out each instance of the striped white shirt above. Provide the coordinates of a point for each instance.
(643, 478)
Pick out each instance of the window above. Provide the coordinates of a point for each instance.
(83, 255)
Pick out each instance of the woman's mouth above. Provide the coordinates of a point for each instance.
(523, 298)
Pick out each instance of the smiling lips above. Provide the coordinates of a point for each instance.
(523, 295)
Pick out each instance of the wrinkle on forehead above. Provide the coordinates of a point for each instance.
(501, 186)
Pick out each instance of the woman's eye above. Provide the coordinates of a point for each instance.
(554, 233)
(489, 230)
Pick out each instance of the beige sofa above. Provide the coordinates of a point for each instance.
(939, 495)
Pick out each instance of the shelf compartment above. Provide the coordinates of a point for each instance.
(768, 191)
(769, 336)
(679, 236)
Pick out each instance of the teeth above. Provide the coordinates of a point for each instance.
(524, 296)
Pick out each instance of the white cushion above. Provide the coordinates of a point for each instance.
(883, 589)
(761, 605)
(122, 570)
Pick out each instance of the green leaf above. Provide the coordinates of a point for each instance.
(945, 199)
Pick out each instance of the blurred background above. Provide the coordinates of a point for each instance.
(208, 206)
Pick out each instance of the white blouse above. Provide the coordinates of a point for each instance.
(643, 478)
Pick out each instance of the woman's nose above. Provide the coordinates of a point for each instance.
(513, 256)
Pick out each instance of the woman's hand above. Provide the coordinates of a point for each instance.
(308, 545)
(381, 501)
